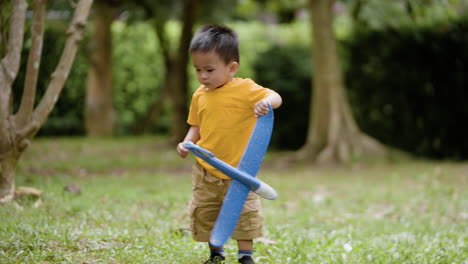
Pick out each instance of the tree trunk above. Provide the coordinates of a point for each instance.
(9, 67)
(152, 114)
(7, 181)
(23, 117)
(8, 71)
(179, 81)
(176, 82)
(16, 131)
(99, 113)
(334, 135)
(178, 93)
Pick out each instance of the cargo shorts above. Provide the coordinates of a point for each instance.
(208, 192)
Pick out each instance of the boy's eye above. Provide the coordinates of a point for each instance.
(209, 70)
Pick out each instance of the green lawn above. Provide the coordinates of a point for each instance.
(132, 209)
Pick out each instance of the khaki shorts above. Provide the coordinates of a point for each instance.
(208, 192)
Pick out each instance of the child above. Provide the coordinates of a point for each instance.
(222, 116)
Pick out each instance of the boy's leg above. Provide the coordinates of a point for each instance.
(217, 255)
(245, 251)
(249, 227)
(207, 197)
(245, 245)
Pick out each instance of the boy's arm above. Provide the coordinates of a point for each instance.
(275, 99)
(261, 107)
(193, 135)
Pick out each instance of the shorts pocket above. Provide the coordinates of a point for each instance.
(251, 217)
(202, 219)
(250, 221)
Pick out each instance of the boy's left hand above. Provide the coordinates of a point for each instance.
(261, 107)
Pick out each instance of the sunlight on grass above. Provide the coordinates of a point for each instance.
(132, 209)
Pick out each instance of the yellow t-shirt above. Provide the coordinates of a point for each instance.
(226, 119)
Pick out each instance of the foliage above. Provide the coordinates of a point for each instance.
(138, 73)
(169, 10)
(67, 116)
(408, 87)
(275, 56)
(132, 209)
(256, 38)
(286, 69)
(379, 15)
(277, 11)
(137, 78)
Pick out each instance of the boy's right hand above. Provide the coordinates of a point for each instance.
(261, 107)
(181, 150)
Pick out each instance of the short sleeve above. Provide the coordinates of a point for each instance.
(193, 112)
(258, 93)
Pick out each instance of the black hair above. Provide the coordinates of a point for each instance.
(217, 38)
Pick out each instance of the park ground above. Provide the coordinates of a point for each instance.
(129, 200)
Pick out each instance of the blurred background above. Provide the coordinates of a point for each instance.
(404, 62)
(358, 78)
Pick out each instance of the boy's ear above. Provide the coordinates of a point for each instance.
(234, 67)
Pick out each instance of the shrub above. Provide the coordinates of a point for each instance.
(286, 69)
(137, 77)
(408, 87)
(67, 117)
(138, 74)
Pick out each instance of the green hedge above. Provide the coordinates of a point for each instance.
(408, 88)
(138, 74)
(286, 69)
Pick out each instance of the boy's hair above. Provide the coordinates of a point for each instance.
(219, 39)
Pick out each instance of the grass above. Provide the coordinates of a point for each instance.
(132, 209)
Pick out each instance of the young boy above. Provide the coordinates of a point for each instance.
(222, 116)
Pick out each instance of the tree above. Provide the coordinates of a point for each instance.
(175, 53)
(18, 129)
(377, 14)
(99, 112)
(333, 133)
(175, 61)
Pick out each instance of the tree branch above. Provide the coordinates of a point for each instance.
(34, 61)
(188, 20)
(74, 32)
(9, 67)
(11, 62)
(163, 42)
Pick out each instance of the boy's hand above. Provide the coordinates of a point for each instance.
(261, 107)
(181, 150)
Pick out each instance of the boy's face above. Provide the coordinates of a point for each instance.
(212, 72)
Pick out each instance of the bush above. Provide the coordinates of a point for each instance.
(138, 74)
(408, 88)
(137, 77)
(286, 69)
(67, 117)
